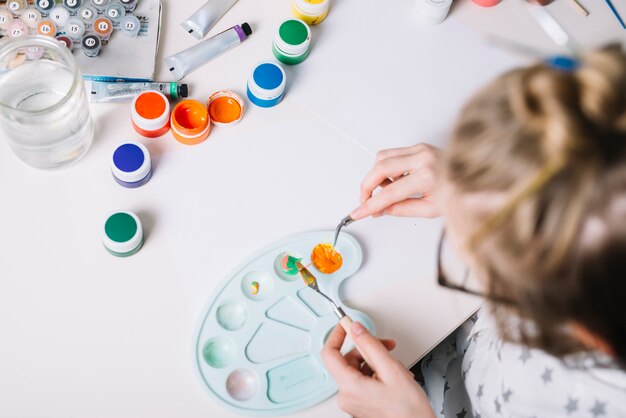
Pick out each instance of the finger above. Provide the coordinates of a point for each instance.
(375, 352)
(394, 193)
(397, 152)
(335, 363)
(354, 357)
(385, 169)
(414, 207)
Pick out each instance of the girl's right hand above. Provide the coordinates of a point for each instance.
(407, 178)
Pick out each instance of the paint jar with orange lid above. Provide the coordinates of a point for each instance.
(150, 114)
(225, 108)
(103, 28)
(190, 122)
(311, 11)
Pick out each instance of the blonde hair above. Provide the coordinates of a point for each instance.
(555, 141)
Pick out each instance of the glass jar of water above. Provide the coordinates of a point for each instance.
(44, 111)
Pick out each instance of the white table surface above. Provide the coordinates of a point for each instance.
(84, 334)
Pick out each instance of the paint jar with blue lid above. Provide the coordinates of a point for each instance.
(122, 234)
(131, 165)
(266, 85)
(292, 42)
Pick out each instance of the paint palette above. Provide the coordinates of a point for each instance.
(257, 349)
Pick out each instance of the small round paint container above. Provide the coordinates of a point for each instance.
(73, 5)
(433, 12)
(486, 3)
(115, 12)
(34, 52)
(225, 108)
(311, 11)
(60, 16)
(292, 42)
(31, 17)
(266, 85)
(150, 114)
(131, 165)
(69, 43)
(6, 18)
(100, 5)
(130, 26)
(17, 6)
(190, 122)
(122, 234)
(75, 28)
(44, 6)
(103, 28)
(87, 14)
(47, 28)
(91, 45)
(17, 28)
(129, 5)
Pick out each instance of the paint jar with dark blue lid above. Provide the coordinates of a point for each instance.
(266, 85)
(131, 165)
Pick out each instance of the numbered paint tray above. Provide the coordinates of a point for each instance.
(257, 348)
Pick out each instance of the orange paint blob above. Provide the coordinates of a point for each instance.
(150, 105)
(190, 122)
(326, 259)
(224, 109)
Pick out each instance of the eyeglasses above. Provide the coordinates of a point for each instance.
(454, 273)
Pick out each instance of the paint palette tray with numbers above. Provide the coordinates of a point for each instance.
(257, 347)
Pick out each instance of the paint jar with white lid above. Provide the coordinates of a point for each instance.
(150, 114)
(292, 42)
(311, 11)
(266, 85)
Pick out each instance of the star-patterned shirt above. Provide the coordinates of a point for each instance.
(474, 374)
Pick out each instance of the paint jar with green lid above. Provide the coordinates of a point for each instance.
(292, 42)
(122, 234)
(311, 11)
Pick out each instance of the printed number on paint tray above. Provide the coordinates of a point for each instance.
(103, 26)
(44, 3)
(130, 25)
(71, 3)
(14, 5)
(90, 42)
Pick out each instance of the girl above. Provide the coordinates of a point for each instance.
(533, 191)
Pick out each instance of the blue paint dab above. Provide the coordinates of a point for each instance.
(128, 158)
(268, 76)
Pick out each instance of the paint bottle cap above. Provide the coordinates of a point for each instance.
(292, 39)
(433, 11)
(16, 6)
(47, 28)
(115, 12)
(486, 3)
(67, 41)
(87, 14)
(17, 28)
(129, 5)
(72, 5)
(245, 27)
(34, 52)
(122, 233)
(130, 26)
(266, 85)
(44, 6)
(312, 7)
(225, 108)
(91, 45)
(183, 90)
(131, 165)
(103, 28)
(75, 28)
(31, 17)
(6, 18)
(190, 122)
(150, 113)
(59, 15)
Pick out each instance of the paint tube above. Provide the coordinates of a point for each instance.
(105, 92)
(190, 59)
(201, 22)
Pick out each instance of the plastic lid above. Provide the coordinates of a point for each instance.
(150, 110)
(72, 4)
(225, 108)
(66, 40)
(433, 11)
(122, 233)
(31, 17)
(59, 15)
(312, 7)
(6, 18)
(183, 90)
(130, 25)
(18, 28)
(91, 43)
(246, 28)
(293, 37)
(131, 162)
(115, 12)
(47, 28)
(75, 28)
(267, 81)
(44, 5)
(190, 120)
(103, 27)
(87, 14)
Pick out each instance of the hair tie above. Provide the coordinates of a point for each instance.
(562, 63)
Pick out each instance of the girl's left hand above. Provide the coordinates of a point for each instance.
(389, 393)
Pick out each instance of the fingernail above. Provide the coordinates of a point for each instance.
(357, 329)
(355, 213)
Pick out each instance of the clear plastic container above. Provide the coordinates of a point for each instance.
(44, 111)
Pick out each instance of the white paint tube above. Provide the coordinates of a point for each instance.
(201, 22)
(188, 60)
